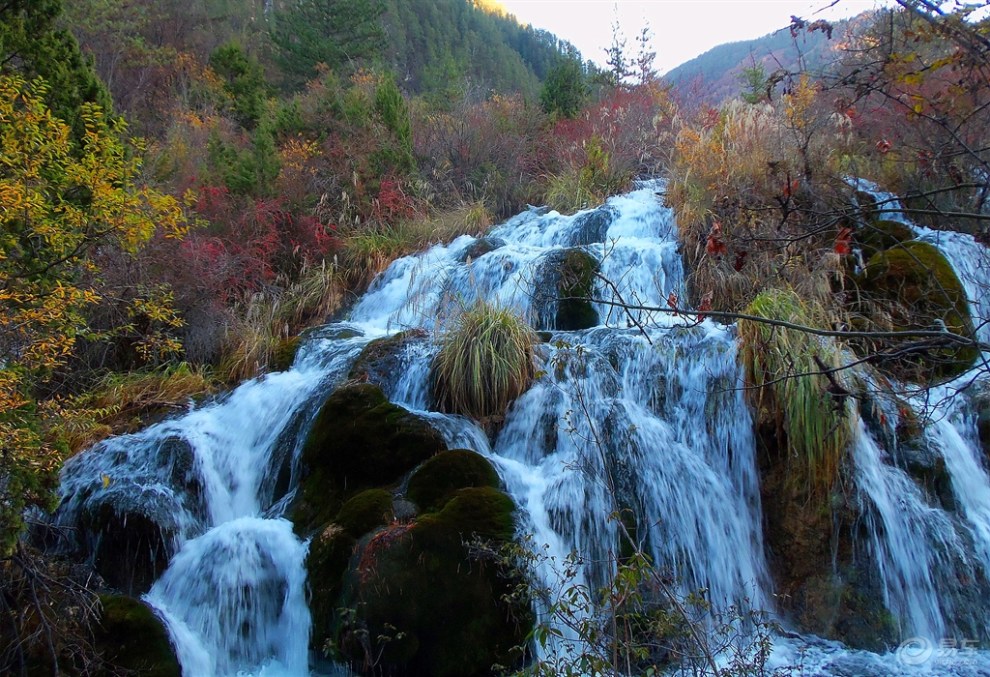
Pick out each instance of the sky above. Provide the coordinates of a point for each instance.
(682, 29)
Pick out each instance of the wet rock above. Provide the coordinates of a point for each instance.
(381, 361)
(130, 637)
(480, 247)
(422, 605)
(592, 227)
(565, 285)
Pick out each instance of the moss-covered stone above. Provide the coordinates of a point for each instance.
(433, 483)
(329, 553)
(130, 637)
(837, 607)
(381, 360)
(359, 440)
(480, 247)
(807, 534)
(423, 604)
(914, 286)
(366, 511)
(880, 235)
(285, 353)
(564, 289)
(130, 548)
(574, 290)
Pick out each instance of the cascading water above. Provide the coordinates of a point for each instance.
(641, 416)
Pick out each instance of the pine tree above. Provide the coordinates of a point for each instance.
(337, 33)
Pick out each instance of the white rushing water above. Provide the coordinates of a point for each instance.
(649, 425)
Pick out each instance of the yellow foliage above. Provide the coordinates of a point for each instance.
(59, 205)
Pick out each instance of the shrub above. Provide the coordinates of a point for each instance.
(485, 362)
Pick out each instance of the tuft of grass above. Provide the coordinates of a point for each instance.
(485, 362)
(784, 368)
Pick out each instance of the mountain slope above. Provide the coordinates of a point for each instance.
(715, 76)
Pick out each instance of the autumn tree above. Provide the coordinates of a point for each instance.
(61, 205)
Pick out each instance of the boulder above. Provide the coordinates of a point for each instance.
(359, 440)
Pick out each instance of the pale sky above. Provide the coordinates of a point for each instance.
(682, 29)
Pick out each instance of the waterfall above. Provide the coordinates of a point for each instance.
(638, 417)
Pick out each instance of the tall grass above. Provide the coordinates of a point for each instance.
(784, 367)
(485, 362)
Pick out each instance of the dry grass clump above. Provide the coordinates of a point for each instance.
(123, 402)
(485, 362)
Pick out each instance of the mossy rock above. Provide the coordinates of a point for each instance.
(880, 235)
(131, 637)
(130, 548)
(381, 360)
(835, 605)
(285, 353)
(359, 440)
(368, 510)
(425, 605)
(327, 560)
(435, 482)
(564, 290)
(915, 286)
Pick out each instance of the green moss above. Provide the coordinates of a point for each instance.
(575, 286)
(426, 605)
(437, 479)
(366, 511)
(131, 637)
(915, 286)
(881, 235)
(359, 440)
(285, 353)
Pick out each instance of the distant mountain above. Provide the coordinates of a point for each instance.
(716, 76)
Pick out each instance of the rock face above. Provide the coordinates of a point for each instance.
(381, 361)
(130, 637)
(805, 530)
(417, 601)
(422, 605)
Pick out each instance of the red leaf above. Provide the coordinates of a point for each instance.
(715, 246)
(843, 242)
(705, 305)
(672, 301)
